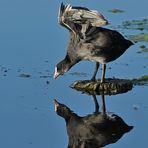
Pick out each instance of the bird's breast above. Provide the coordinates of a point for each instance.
(87, 51)
(87, 55)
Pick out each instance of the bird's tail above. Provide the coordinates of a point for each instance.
(129, 43)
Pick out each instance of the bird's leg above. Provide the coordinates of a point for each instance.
(103, 104)
(95, 72)
(103, 72)
(96, 104)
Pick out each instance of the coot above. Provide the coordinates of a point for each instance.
(100, 45)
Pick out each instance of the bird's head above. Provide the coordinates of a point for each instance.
(61, 68)
(62, 110)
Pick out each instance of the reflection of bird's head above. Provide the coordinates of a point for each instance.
(62, 110)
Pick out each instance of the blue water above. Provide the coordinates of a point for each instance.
(32, 42)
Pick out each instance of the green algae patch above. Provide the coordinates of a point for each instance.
(134, 24)
(142, 49)
(143, 37)
(143, 80)
(109, 87)
(116, 11)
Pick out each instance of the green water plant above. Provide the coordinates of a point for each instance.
(134, 24)
(116, 11)
(139, 37)
(143, 80)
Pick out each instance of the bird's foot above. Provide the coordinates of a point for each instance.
(93, 79)
(102, 80)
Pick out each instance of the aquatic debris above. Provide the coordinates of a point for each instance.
(135, 107)
(143, 80)
(143, 48)
(116, 11)
(47, 82)
(23, 75)
(45, 76)
(82, 74)
(142, 37)
(35, 108)
(3, 70)
(110, 87)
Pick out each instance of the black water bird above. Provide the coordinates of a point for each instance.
(89, 42)
(94, 130)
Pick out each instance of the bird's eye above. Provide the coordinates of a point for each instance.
(58, 69)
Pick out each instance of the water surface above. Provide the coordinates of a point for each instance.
(31, 43)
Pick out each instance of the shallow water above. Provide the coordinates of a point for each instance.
(31, 43)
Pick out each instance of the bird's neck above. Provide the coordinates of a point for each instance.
(72, 56)
(72, 41)
(71, 59)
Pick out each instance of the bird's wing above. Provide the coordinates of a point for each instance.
(63, 18)
(83, 16)
(79, 19)
(60, 15)
(80, 15)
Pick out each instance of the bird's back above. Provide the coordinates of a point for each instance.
(104, 44)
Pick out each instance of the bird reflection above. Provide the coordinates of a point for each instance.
(94, 130)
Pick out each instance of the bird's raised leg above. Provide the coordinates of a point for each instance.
(95, 72)
(103, 72)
